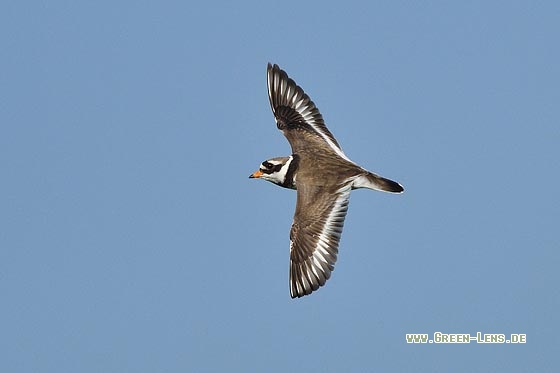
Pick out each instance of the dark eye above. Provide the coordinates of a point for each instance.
(267, 165)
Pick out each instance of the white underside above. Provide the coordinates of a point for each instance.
(362, 181)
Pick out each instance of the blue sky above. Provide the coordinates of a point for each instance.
(133, 241)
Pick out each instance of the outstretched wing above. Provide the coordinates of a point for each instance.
(314, 237)
(296, 115)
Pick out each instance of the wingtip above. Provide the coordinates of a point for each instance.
(272, 67)
(300, 293)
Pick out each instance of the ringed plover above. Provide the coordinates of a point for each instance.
(323, 177)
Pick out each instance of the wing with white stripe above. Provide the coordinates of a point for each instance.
(315, 236)
(296, 115)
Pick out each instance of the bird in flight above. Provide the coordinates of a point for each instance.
(323, 177)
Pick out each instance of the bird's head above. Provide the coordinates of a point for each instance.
(280, 171)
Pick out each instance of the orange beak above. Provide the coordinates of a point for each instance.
(256, 174)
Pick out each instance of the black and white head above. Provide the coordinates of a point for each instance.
(280, 171)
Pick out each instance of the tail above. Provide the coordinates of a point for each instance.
(372, 181)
